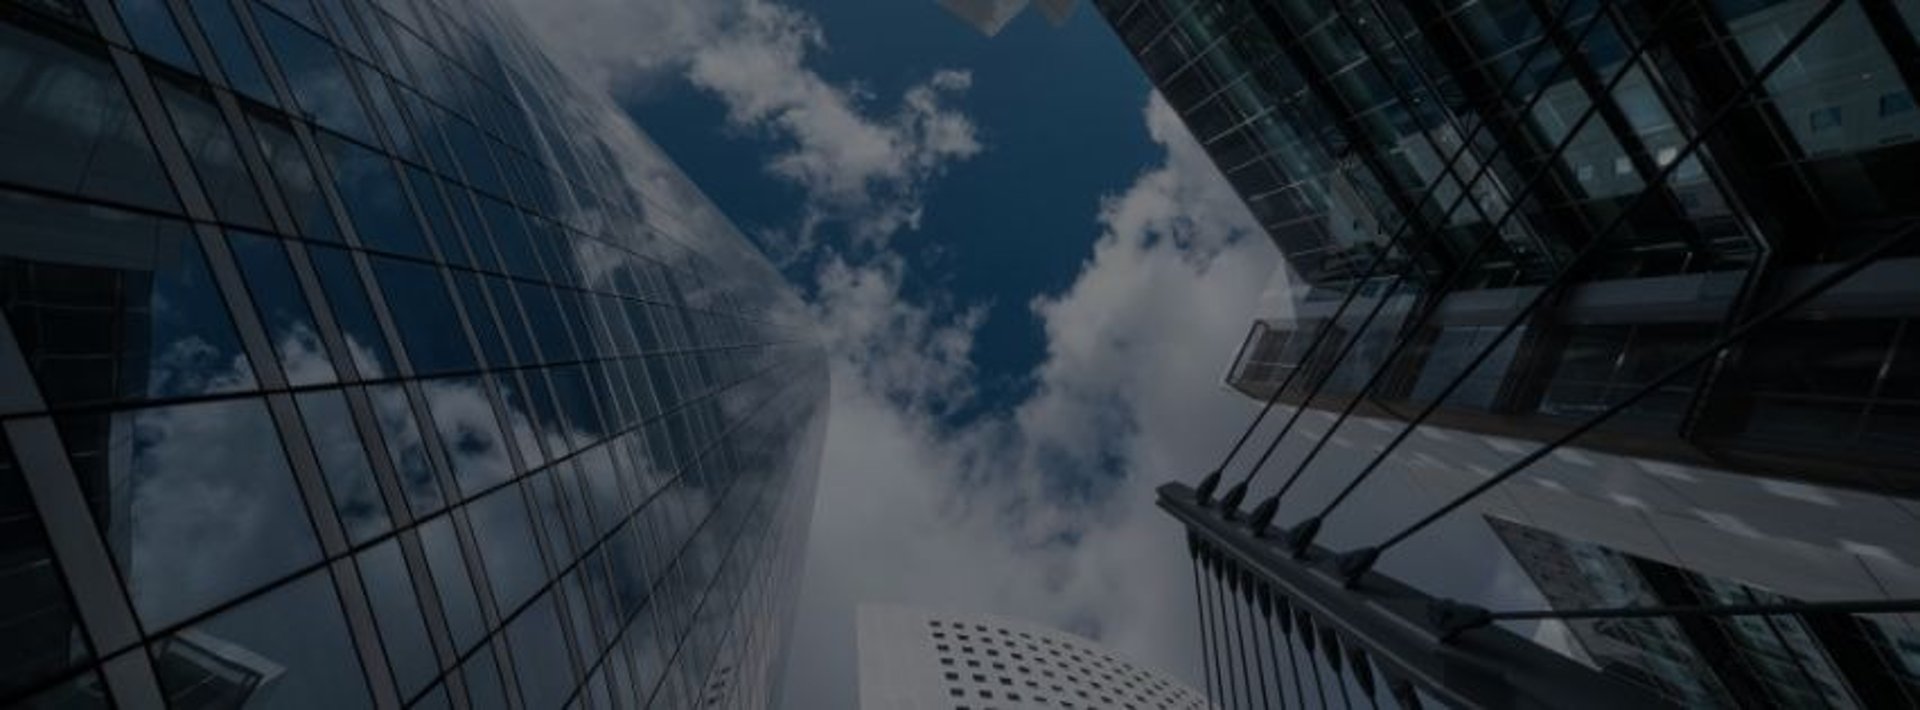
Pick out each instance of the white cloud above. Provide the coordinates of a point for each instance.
(863, 168)
(1045, 511)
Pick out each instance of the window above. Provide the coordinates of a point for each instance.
(69, 126)
(230, 48)
(215, 156)
(1895, 104)
(297, 628)
(424, 316)
(540, 659)
(108, 306)
(353, 312)
(37, 595)
(181, 468)
(1825, 118)
(469, 432)
(316, 76)
(451, 580)
(411, 463)
(343, 460)
(396, 612)
(282, 308)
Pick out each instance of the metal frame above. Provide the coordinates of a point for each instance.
(1395, 625)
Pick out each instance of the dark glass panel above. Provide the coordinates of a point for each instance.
(540, 656)
(470, 433)
(112, 306)
(424, 316)
(230, 48)
(215, 155)
(396, 611)
(504, 533)
(154, 32)
(519, 335)
(1828, 358)
(353, 312)
(196, 502)
(283, 308)
(519, 422)
(287, 649)
(66, 125)
(484, 689)
(42, 629)
(546, 500)
(294, 175)
(510, 235)
(454, 585)
(426, 190)
(492, 344)
(316, 76)
(411, 462)
(343, 459)
(82, 691)
(543, 311)
(371, 193)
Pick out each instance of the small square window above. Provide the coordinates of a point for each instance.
(1896, 103)
(1825, 118)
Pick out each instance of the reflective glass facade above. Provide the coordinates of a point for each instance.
(1806, 659)
(352, 357)
(1511, 220)
(1651, 173)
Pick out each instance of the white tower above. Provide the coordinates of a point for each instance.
(917, 659)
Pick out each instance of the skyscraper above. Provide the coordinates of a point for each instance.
(350, 356)
(1638, 275)
(919, 659)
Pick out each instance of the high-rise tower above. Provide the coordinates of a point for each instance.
(1642, 276)
(350, 356)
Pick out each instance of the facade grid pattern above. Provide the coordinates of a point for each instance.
(352, 357)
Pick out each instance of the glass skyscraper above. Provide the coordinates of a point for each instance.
(350, 356)
(1640, 276)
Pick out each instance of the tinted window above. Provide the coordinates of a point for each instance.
(231, 50)
(450, 578)
(354, 313)
(343, 458)
(503, 531)
(314, 73)
(484, 326)
(215, 155)
(66, 125)
(289, 649)
(427, 191)
(370, 191)
(424, 316)
(283, 308)
(464, 418)
(107, 305)
(210, 507)
(540, 656)
(411, 462)
(383, 569)
(43, 631)
(294, 175)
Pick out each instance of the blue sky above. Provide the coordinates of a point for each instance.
(1027, 275)
(1009, 224)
